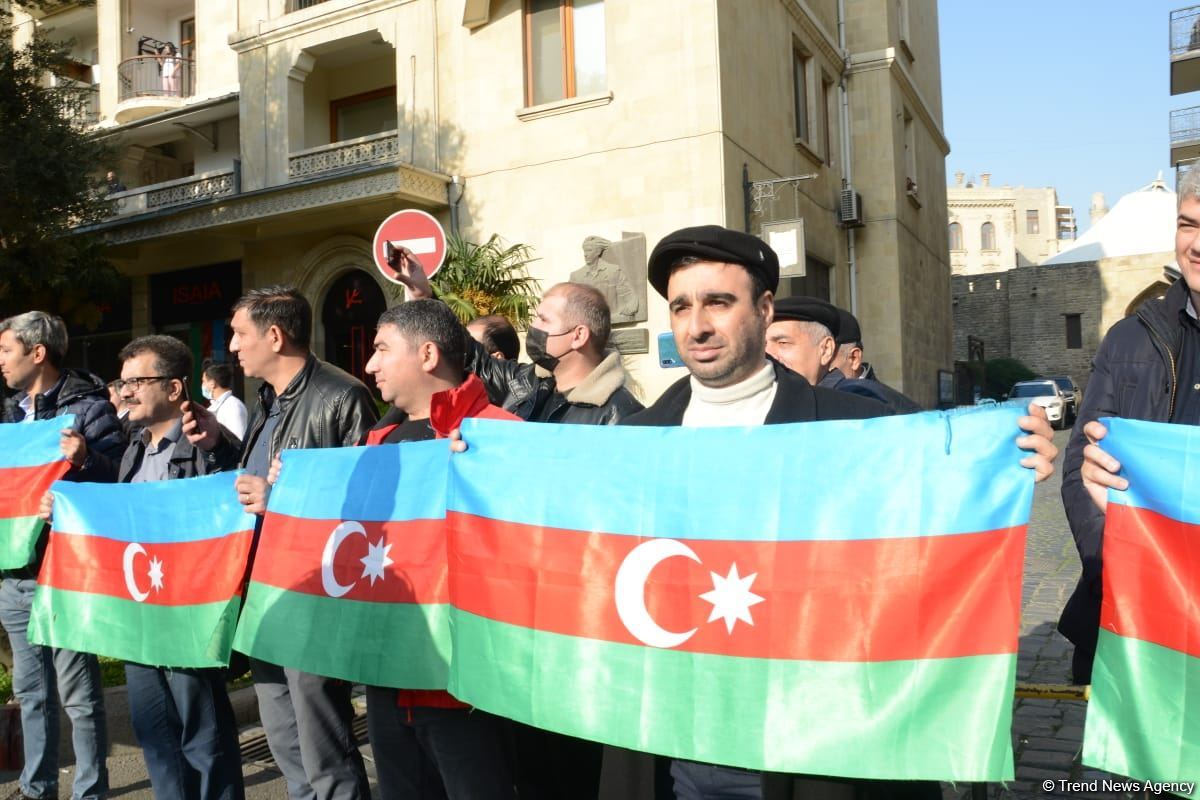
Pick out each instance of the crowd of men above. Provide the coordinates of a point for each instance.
(751, 360)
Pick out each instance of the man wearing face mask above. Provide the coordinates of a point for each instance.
(217, 387)
(574, 377)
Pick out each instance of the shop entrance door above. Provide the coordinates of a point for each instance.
(351, 309)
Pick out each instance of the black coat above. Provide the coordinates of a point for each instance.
(323, 406)
(1134, 377)
(897, 401)
(796, 400)
(518, 389)
(84, 395)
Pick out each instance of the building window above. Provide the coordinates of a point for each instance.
(955, 236)
(987, 236)
(362, 114)
(910, 155)
(800, 61)
(827, 112)
(1031, 221)
(564, 49)
(1074, 331)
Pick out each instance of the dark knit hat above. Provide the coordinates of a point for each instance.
(809, 309)
(850, 333)
(713, 243)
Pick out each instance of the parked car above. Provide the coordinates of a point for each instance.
(1046, 394)
(1072, 394)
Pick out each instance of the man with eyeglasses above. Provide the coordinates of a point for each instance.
(33, 347)
(182, 718)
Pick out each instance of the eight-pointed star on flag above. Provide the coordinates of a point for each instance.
(731, 598)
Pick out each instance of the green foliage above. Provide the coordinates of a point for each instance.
(1001, 374)
(49, 182)
(488, 278)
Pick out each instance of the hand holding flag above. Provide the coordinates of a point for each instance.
(1099, 469)
(74, 447)
(1039, 440)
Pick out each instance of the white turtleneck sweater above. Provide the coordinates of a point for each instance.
(745, 403)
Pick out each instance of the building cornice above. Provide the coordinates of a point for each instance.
(886, 59)
(297, 23)
(815, 31)
(410, 183)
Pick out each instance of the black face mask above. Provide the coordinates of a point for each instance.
(535, 345)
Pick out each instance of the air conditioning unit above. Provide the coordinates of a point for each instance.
(850, 213)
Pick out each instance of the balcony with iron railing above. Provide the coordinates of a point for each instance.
(1185, 50)
(298, 5)
(379, 148)
(1185, 134)
(151, 84)
(182, 192)
(83, 107)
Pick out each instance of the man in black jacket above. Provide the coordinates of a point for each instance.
(33, 347)
(182, 718)
(580, 380)
(1148, 368)
(306, 403)
(720, 288)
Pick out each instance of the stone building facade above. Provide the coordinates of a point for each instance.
(282, 132)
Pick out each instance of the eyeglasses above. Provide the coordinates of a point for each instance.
(137, 383)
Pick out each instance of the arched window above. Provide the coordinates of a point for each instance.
(987, 236)
(955, 236)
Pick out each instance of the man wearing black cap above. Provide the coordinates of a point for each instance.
(851, 374)
(720, 285)
(802, 336)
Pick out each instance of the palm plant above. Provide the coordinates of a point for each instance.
(489, 278)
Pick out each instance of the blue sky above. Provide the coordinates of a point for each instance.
(1061, 93)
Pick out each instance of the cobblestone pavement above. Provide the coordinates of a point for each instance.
(1047, 734)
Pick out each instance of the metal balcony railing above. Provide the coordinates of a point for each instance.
(83, 108)
(296, 5)
(156, 76)
(183, 191)
(379, 148)
(1185, 125)
(1185, 30)
(1183, 167)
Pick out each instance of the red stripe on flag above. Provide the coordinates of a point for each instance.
(863, 600)
(204, 571)
(21, 488)
(1152, 564)
(291, 549)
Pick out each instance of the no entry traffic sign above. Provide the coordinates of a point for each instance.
(416, 230)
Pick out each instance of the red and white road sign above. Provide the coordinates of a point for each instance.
(416, 230)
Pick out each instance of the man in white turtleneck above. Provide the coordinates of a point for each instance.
(720, 286)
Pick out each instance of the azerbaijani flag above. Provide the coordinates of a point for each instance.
(838, 598)
(146, 572)
(349, 579)
(1144, 714)
(30, 460)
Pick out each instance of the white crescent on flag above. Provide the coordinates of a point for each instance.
(340, 534)
(630, 591)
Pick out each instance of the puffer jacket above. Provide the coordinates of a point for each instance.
(84, 395)
(601, 399)
(1134, 376)
(323, 406)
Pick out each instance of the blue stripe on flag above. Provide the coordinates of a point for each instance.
(189, 509)
(892, 477)
(31, 444)
(1161, 462)
(384, 482)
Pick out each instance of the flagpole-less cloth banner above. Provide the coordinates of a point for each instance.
(349, 580)
(1144, 714)
(146, 572)
(30, 460)
(825, 598)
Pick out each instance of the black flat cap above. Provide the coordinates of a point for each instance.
(809, 309)
(849, 332)
(713, 243)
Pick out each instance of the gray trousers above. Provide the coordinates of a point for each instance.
(307, 719)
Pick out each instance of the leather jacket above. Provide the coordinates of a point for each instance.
(323, 406)
(602, 399)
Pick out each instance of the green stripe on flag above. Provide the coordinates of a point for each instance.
(405, 645)
(1143, 717)
(946, 719)
(169, 636)
(18, 538)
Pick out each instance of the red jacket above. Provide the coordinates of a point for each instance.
(447, 410)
